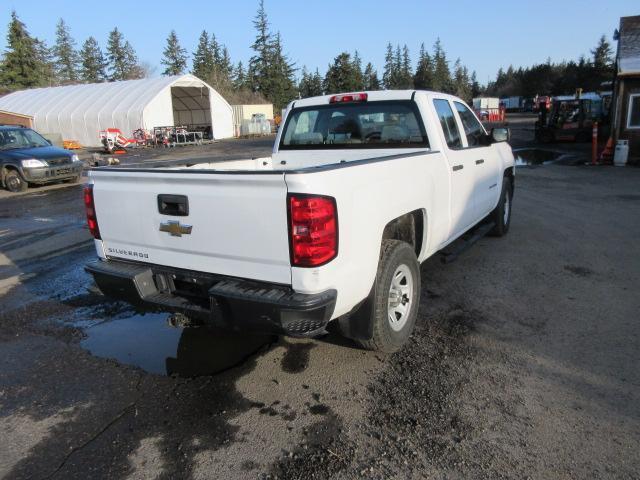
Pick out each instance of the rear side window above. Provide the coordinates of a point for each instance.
(448, 123)
(377, 124)
(472, 128)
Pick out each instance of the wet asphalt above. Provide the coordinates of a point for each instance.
(523, 363)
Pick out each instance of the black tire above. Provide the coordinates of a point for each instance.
(394, 255)
(14, 182)
(505, 204)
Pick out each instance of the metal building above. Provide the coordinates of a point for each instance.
(79, 112)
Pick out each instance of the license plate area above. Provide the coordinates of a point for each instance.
(193, 288)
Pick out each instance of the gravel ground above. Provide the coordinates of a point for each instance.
(524, 363)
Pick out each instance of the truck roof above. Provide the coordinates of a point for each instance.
(373, 95)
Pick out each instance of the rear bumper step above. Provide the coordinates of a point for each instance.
(236, 304)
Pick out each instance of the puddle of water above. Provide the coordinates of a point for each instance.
(535, 156)
(149, 342)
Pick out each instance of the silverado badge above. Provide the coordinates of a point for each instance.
(175, 228)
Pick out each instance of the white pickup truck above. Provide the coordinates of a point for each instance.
(361, 188)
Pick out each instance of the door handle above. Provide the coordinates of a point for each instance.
(174, 205)
(478, 162)
(457, 167)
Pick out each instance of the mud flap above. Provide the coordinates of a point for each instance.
(358, 324)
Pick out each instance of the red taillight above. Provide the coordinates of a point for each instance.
(313, 228)
(349, 98)
(92, 220)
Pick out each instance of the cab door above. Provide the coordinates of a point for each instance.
(483, 159)
(461, 165)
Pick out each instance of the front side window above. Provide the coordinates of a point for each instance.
(448, 123)
(472, 128)
(21, 138)
(378, 124)
(633, 120)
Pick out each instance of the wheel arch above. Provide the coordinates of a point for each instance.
(511, 175)
(4, 171)
(410, 227)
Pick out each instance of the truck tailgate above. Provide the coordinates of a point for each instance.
(238, 221)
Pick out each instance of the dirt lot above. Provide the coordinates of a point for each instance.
(524, 363)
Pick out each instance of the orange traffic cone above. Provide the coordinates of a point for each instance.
(607, 154)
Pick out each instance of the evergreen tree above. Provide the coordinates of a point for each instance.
(203, 61)
(175, 57)
(133, 68)
(423, 79)
(405, 76)
(603, 58)
(262, 46)
(22, 64)
(371, 81)
(316, 84)
(341, 76)
(310, 84)
(389, 74)
(357, 71)
(281, 87)
(226, 66)
(214, 46)
(461, 83)
(397, 68)
(239, 77)
(212, 63)
(45, 59)
(270, 73)
(475, 86)
(92, 63)
(441, 74)
(305, 83)
(65, 55)
(121, 57)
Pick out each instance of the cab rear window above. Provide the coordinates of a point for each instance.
(388, 124)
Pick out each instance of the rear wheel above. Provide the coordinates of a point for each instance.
(14, 182)
(501, 215)
(397, 296)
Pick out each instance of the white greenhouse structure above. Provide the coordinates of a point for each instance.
(80, 112)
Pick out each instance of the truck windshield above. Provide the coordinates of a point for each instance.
(388, 124)
(21, 138)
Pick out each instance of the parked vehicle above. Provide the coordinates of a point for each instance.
(26, 157)
(361, 188)
(512, 104)
(485, 103)
(541, 102)
(571, 118)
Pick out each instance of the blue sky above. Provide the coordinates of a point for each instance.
(485, 35)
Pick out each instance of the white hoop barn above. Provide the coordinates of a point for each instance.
(79, 112)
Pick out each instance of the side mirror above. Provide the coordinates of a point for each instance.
(500, 134)
(49, 141)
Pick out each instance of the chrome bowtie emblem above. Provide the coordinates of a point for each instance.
(175, 228)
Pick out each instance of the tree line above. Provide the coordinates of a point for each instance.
(270, 76)
(28, 61)
(432, 72)
(557, 78)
